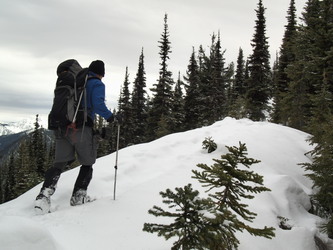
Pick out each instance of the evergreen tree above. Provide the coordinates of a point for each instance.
(203, 105)
(213, 81)
(161, 105)
(218, 95)
(103, 145)
(320, 170)
(125, 108)
(191, 100)
(25, 174)
(247, 76)
(310, 95)
(50, 154)
(286, 58)
(275, 79)
(239, 84)
(229, 88)
(306, 73)
(139, 104)
(178, 113)
(37, 149)
(211, 223)
(259, 89)
(10, 181)
(231, 183)
(186, 206)
(2, 185)
(238, 89)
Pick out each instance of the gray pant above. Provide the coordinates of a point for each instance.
(82, 143)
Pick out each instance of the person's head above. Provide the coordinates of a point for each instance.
(97, 67)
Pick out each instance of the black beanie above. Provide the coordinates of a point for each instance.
(97, 67)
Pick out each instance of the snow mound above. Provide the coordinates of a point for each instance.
(19, 233)
(146, 169)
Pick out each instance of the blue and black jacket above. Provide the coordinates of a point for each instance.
(95, 90)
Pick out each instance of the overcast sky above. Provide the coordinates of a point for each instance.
(36, 35)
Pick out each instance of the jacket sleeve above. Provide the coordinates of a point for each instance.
(98, 101)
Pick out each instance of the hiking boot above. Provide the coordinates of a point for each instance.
(43, 201)
(80, 197)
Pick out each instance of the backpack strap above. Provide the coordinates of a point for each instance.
(80, 99)
(72, 125)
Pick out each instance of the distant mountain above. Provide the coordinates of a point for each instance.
(12, 133)
(18, 127)
(9, 142)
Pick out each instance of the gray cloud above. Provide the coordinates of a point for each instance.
(37, 35)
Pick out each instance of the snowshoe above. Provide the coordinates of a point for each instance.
(80, 197)
(43, 201)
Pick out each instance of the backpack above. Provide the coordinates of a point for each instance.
(68, 94)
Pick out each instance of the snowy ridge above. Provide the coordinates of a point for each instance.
(145, 170)
(16, 127)
(20, 126)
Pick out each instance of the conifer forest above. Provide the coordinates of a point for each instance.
(293, 88)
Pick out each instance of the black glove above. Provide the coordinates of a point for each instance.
(118, 118)
(106, 133)
(110, 119)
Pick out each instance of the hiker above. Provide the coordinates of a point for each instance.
(80, 141)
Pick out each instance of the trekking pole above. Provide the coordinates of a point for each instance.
(116, 165)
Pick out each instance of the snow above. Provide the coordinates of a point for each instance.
(27, 124)
(17, 127)
(146, 169)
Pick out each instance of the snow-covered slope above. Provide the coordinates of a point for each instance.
(145, 170)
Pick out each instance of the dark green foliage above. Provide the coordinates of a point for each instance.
(236, 99)
(329, 228)
(161, 103)
(312, 58)
(26, 163)
(286, 58)
(37, 150)
(104, 146)
(196, 224)
(177, 113)
(236, 183)
(138, 119)
(192, 101)
(124, 107)
(9, 182)
(320, 170)
(209, 144)
(312, 73)
(240, 84)
(25, 175)
(214, 78)
(238, 90)
(186, 207)
(284, 223)
(211, 223)
(259, 84)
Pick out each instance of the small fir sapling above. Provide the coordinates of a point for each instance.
(233, 183)
(211, 223)
(209, 144)
(186, 207)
